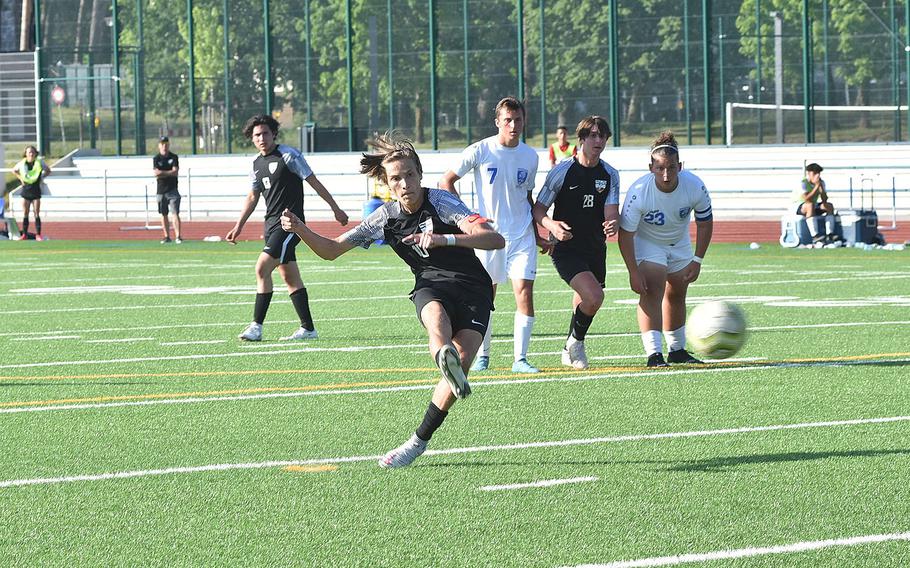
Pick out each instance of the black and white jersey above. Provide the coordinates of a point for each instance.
(279, 177)
(440, 213)
(166, 164)
(580, 195)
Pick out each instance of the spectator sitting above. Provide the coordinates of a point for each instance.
(811, 201)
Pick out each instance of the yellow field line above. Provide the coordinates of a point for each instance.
(428, 381)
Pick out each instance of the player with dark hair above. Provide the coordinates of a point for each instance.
(562, 149)
(504, 172)
(811, 199)
(278, 175)
(31, 171)
(435, 234)
(585, 194)
(166, 166)
(656, 247)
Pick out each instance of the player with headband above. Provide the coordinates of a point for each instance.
(656, 247)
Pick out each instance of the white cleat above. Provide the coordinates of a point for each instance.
(450, 364)
(301, 334)
(574, 354)
(405, 454)
(253, 332)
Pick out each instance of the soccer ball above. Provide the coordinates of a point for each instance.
(716, 329)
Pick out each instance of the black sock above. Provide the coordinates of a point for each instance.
(301, 301)
(580, 324)
(263, 299)
(432, 420)
(38, 224)
(25, 226)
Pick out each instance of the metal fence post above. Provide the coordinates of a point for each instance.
(189, 194)
(105, 195)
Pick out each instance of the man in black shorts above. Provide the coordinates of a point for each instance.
(278, 175)
(435, 234)
(166, 166)
(585, 191)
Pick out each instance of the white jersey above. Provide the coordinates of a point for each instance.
(664, 217)
(503, 178)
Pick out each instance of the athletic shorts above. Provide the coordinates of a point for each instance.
(280, 244)
(466, 307)
(570, 262)
(518, 260)
(674, 257)
(30, 192)
(169, 202)
(816, 207)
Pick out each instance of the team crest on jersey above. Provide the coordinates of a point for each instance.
(522, 175)
(684, 212)
(600, 185)
(273, 167)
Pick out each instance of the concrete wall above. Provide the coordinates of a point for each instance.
(746, 182)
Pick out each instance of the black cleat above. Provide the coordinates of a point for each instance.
(657, 360)
(682, 356)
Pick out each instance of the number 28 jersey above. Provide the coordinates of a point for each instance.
(664, 217)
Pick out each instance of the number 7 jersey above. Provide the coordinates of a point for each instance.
(664, 217)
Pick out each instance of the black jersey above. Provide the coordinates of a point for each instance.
(166, 163)
(580, 195)
(279, 177)
(440, 213)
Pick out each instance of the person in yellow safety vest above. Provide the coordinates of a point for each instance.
(30, 170)
(562, 150)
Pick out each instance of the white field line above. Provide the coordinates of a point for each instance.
(120, 340)
(200, 342)
(454, 451)
(44, 337)
(805, 546)
(361, 348)
(535, 484)
(525, 380)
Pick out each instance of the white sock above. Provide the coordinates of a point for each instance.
(829, 224)
(652, 341)
(487, 338)
(523, 326)
(813, 228)
(676, 339)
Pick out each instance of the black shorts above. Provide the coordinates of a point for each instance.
(280, 244)
(816, 209)
(169, 202)
(30, 192)
(466, 307)
(570, 262)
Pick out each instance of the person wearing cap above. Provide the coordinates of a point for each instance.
(584, 194)
(166, 166)
(657, 250)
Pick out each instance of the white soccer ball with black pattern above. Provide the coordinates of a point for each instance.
(716, 329)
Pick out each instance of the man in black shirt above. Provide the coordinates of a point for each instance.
(585, 192)
(278, 175)
(167, 167)
(435, 234)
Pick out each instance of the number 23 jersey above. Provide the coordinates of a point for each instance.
(664, 217)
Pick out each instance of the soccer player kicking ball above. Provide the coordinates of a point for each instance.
(278, 175)
(584, 193)
(655, 245)
(435, 234)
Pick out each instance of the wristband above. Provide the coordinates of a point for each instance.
(697, 259)
(450, 240)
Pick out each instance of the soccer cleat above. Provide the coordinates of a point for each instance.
(522, 366)
(405, 454)
(682, 356)
(301, 334)
(179, 241)
(450, 364)
(482, 363)
(657, 360)
(253, 332)
(165, 240)
(819, 239)
(574, 354)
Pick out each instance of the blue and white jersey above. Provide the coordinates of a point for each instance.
(503, 178)
(664, 217)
